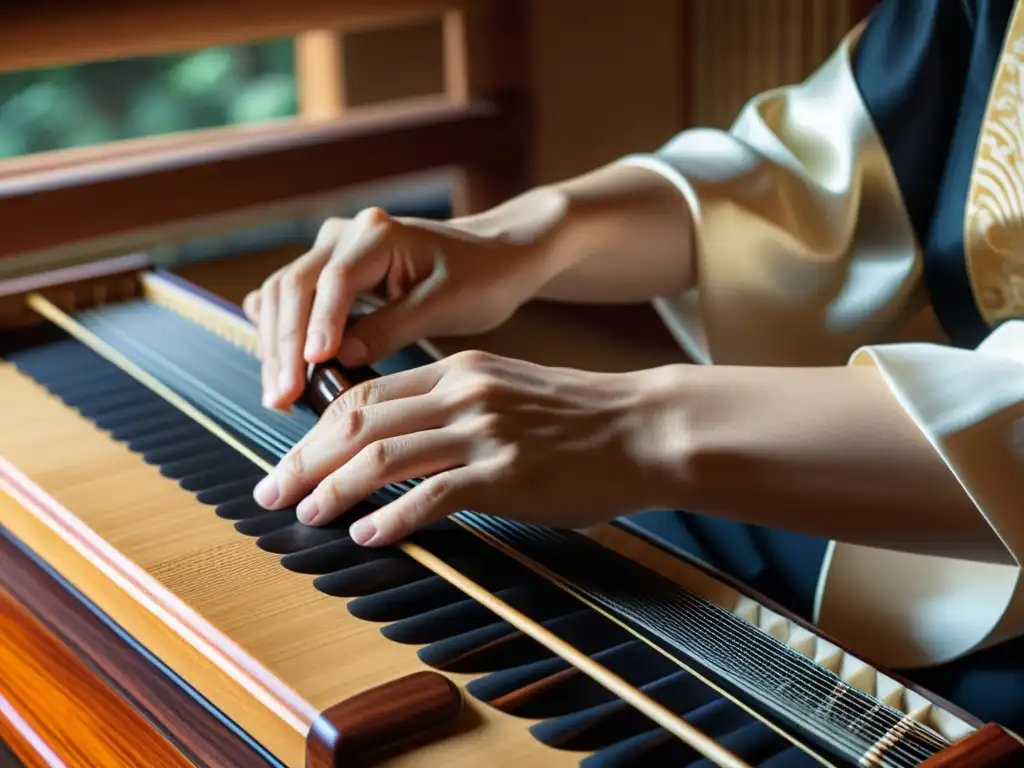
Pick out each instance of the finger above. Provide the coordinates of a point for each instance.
(396, 325)
(416, 381)
(392, 460)
(331, 444)
(433, 499)
(295, 302)
(268, 340)
(356, 264)
(251, 306)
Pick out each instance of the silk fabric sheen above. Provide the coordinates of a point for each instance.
(806, 255)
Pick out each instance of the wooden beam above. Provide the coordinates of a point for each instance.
(47, 33)
(456, 57)
(487, 55)
(281, 162)
(320, 74)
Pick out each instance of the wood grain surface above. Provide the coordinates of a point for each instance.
(54, 705)
(121, 664)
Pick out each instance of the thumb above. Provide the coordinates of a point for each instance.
(397, 324)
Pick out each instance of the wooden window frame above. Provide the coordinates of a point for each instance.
(478, 129)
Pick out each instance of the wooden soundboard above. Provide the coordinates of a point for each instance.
(175, 640)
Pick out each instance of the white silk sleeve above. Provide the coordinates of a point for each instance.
(804, 250)
(914, 610)
(805, 255)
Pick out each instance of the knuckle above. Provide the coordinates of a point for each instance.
(295, 279)
(327, 496)
(437, 492)
(268, 291)
(360, 396)
(471, 359)
(336, 274)
(379, 455)
(330, 227)
(480, 393)
(295, 465)
(290, 334)
(347, 424)
(374, 216)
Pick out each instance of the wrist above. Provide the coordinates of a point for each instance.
(525, 230)
(659, 436)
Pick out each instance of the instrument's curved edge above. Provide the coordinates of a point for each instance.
(478, 726)
(253, 697)
(111, 672)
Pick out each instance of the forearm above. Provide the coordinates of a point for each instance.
(619, 234)
(822, 451)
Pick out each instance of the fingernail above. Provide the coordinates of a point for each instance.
(266, 492)
(315, 344)
(284, 381)
(353, 352)
(307, 511)
(363, 530)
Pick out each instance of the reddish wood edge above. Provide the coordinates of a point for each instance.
(167, 701)
(988, 747)
(20, 744)
(59, 708)
(288, 161)
(146, 591)
(116, 29)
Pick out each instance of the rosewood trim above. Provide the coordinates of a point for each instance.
(987, 747)
(189, 625)
(384, 721)
(129, 670)
(55, 706)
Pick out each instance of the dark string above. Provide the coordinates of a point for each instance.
(223, 381)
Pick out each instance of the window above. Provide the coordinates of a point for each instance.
(98, 102)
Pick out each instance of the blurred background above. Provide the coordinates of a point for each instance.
(599, 78)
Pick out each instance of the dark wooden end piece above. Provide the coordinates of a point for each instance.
(383, 721)
(988, 747)
(327, 381)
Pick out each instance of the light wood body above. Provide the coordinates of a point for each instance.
(145, 517)
(257, 640)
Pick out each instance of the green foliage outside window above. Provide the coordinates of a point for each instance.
(91, 103)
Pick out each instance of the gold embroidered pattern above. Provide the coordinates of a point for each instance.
(994, 221)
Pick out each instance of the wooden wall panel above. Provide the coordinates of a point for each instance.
(744, 47)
